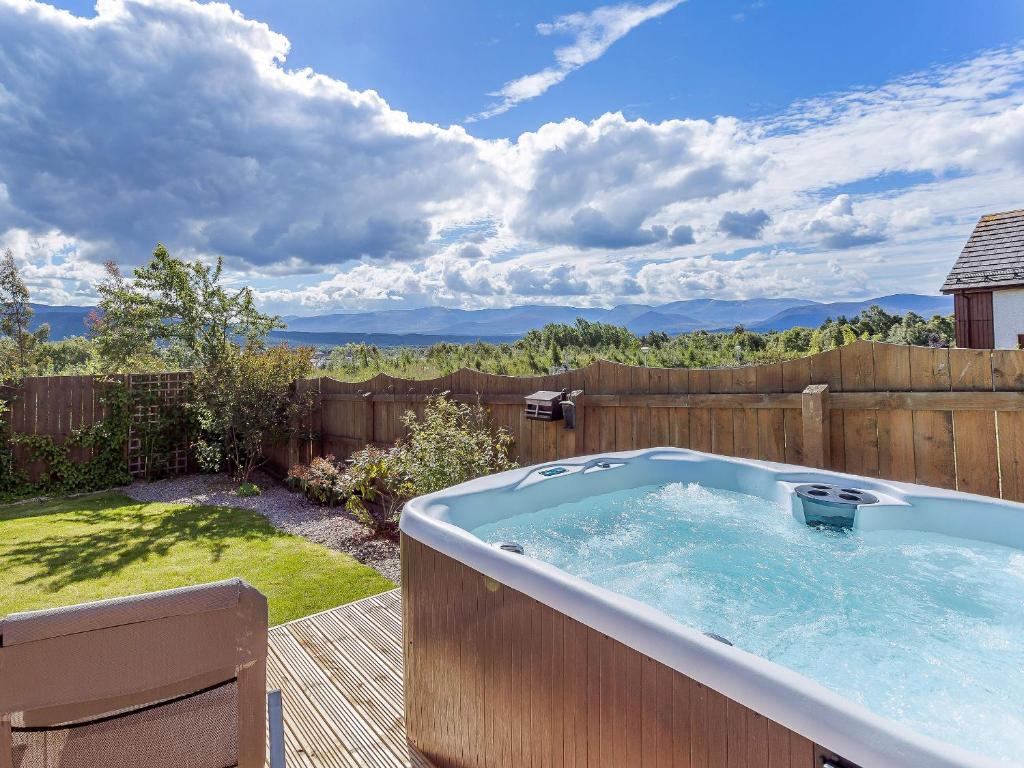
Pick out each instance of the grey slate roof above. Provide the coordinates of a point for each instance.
(993, 256)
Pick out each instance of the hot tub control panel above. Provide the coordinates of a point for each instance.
(553, 471)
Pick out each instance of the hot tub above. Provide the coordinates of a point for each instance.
(670, 607)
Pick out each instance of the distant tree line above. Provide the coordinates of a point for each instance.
(175, 315)
(559, 346)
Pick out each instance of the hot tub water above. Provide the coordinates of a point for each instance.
(920, 627)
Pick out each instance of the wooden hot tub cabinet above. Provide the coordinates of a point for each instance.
(496, 678)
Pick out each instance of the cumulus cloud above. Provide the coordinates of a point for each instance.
(593, 33)
(602, 184)
(748, 225)
(836, 226)
(682, 235)
(185, 125)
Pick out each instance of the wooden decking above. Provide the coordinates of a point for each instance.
(340, 673)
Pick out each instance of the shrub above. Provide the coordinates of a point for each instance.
(454, 442)
(246, 490)
(378, 484)
(323, 481)
(296, 478)
(245, 401)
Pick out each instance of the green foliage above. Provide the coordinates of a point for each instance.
(181, 313)
(17, 354)
(62, 474)
(176, 310)
(378, 484)
(452, 443)
(11, 477)
(244, 401)
(248, 490)
(323, 481)
(575, 346)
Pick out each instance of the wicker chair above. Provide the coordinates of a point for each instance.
(173, 679)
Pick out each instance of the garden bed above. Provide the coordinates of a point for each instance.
(332, 527)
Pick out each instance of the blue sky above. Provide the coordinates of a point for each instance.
(679, 149)
(439, 60)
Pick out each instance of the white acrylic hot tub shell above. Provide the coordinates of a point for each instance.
(441, 520)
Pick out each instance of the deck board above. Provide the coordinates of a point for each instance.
(340, 673)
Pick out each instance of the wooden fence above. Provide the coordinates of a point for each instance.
(952, 418)
(56, 406)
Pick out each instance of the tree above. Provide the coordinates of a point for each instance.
(16, 314)
(124, 325)
(245, 402)
(181, 309)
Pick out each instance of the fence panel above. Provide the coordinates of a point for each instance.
(58, 406)
(948, 418)
(940, 417)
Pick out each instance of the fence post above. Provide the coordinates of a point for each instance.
(580, 437)
(814, 404)
(368, 425)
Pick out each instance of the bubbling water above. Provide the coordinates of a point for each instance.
(919, 627)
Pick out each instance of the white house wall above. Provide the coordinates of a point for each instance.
(1007, 316)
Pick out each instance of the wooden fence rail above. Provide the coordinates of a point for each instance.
(952, 418)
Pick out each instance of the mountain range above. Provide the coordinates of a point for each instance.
(428, 325)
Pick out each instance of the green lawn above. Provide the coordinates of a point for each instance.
(72, 550)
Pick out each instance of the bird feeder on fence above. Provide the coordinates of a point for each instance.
(545, 405)
(553, 406)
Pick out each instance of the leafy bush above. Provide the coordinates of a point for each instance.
(378, 487)
(453, 443)
(245, 401)
(323, 481)
(246, 490)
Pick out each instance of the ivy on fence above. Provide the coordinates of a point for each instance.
(130, 412)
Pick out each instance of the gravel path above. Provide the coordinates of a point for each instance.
(291, 512)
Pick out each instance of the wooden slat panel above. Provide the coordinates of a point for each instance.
(974, 432)
(860, 427)
(933, 430)
(771, 424)
(722, 435)
(826, 368)
(1008, 375)
(578, 697)
(745, 424)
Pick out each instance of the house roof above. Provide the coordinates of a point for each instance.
(993, 256)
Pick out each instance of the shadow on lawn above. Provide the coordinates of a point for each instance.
(116, 541)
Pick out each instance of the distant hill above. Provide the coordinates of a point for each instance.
(676, 317)
(815, 314)
(63, 321)
(325, 339)
(429, 325)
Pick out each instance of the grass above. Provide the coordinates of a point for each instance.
(72, 550)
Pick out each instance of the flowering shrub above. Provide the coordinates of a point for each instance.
(323, 481)
(453, 442)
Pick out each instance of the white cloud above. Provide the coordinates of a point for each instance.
(593, 34)
(165, 119)
(186, 126)
(836, 226)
